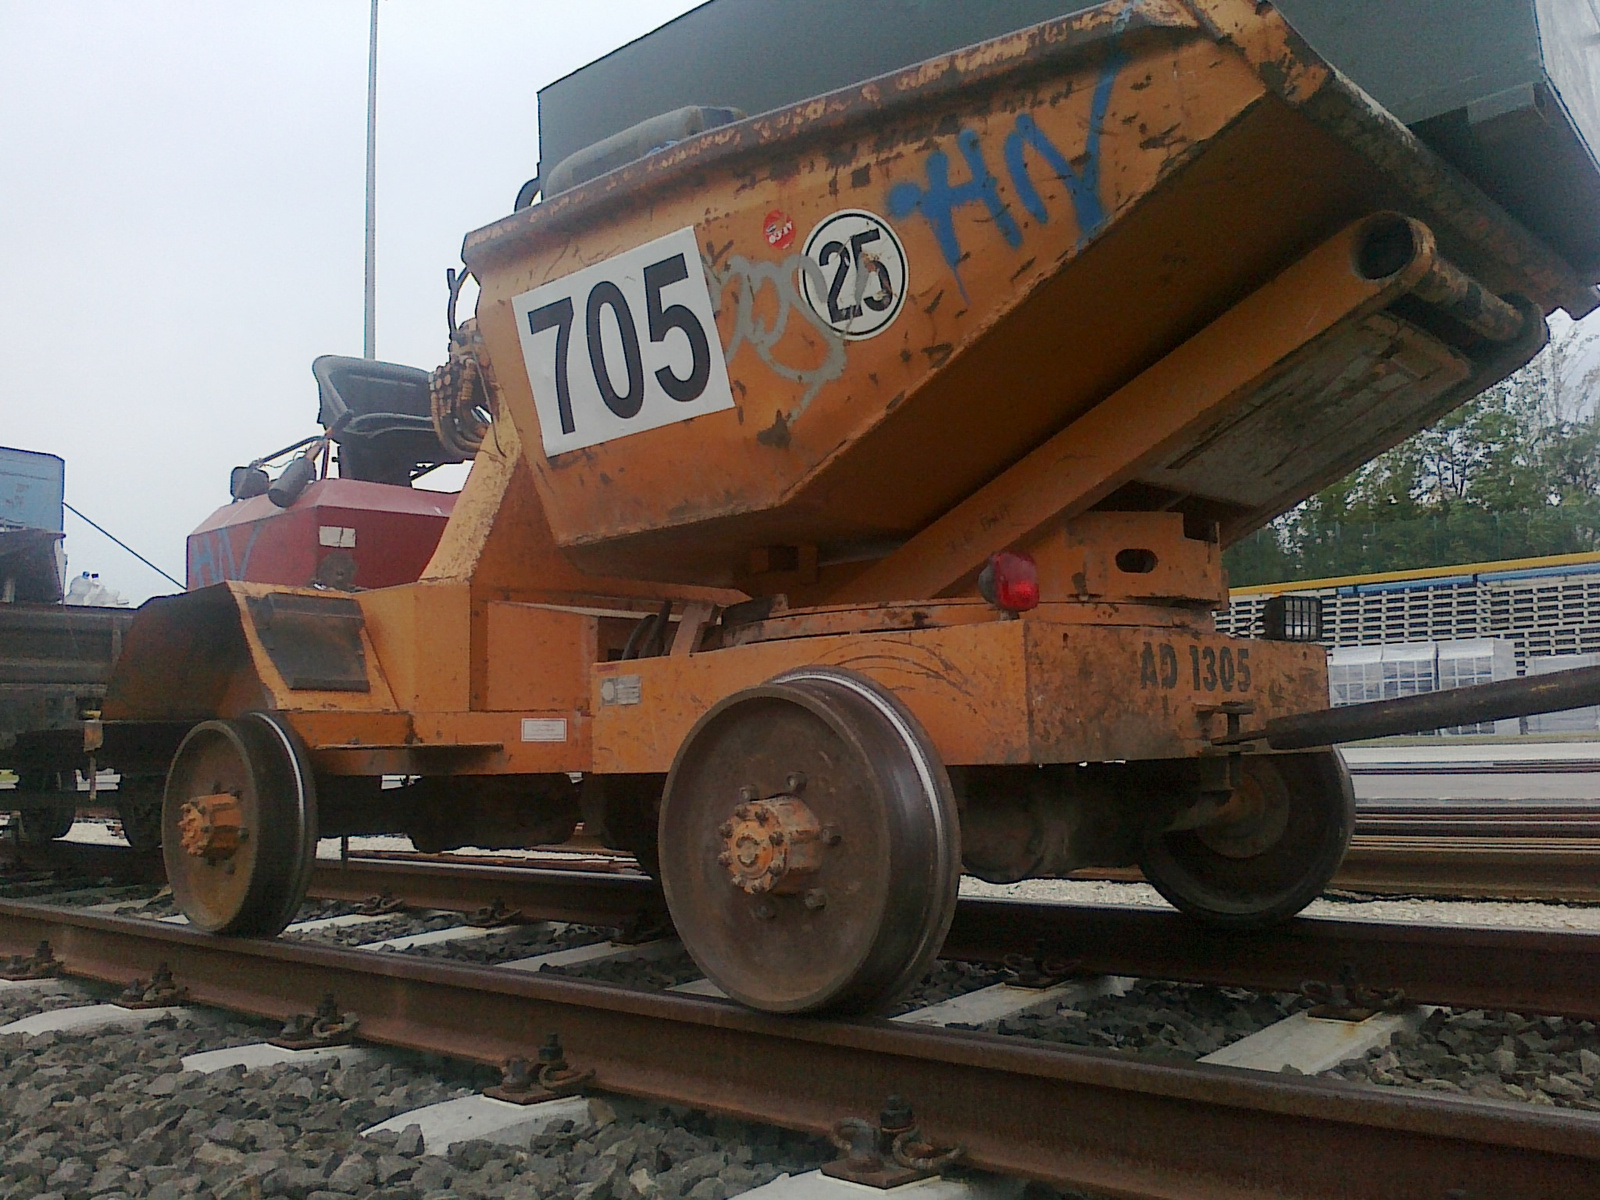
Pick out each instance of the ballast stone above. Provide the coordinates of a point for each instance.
(483, 1118)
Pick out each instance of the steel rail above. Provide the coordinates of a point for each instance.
(1490, 866)
(1075, 1118)
(1542, 971)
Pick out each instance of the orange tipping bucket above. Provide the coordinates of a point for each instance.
(802, 338)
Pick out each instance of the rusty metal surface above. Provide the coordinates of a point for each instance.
(1070, 1117)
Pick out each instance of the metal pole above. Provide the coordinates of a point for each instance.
(369, 339)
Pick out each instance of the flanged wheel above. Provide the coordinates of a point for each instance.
(239, 825)
(41, 826)
(1294, 816)
(139, 809)
(809, 848)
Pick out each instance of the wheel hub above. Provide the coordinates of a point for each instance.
(773, 845)
(1255, 817)
(212, 827)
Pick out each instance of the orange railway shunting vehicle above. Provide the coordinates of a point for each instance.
(853, 510)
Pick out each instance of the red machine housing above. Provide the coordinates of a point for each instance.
(340, 532)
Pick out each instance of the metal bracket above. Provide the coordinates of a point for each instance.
(312, 1031)
(41, 964)
(380, 906)
(639, 928)
(1349, 999)
(159, 991)
(1039, 970)
(494, 915)
(552, 1078)
(888, 1154)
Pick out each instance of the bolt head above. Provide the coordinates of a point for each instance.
(831, 835)
(725, 829)
(776, 837)
(764, 910)
(816, 899)
(795, 783)
(749, 792)
(724, 859)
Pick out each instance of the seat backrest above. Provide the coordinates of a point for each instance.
(381, 416)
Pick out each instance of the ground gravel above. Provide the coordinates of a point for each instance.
(652, 974)
(113, 1116)
(1161, 1020)
(1491, 1055)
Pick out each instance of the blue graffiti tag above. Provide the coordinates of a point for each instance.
(211, 556)
(1084, 187)
(939, 200)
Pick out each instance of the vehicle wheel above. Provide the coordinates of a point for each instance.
(809, 847)
(239, 825)
(139, 810)
(40, 826)
(1276, 858)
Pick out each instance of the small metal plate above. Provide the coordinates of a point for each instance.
(314, 641)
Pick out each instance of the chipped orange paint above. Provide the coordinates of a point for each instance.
(1006, 691)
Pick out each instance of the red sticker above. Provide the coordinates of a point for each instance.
(779, 229)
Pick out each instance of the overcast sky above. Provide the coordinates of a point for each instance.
(181, 205)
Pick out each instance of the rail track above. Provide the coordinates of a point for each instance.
(1066, 1116)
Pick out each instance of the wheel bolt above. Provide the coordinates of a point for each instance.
(831, 836)
(747, 792)
(796, 783)
(725, 829)
(776, 837)
(816, 899)
(724, 859)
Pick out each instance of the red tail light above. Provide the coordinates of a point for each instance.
(1010, 581)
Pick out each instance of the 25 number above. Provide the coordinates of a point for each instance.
(854, 256)
(661, 321)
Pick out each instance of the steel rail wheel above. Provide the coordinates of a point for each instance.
(41, 826)
(1297, 814)
(809, 848)
(239, 825)
(139, 810)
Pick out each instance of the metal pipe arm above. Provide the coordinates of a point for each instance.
(1525, 697)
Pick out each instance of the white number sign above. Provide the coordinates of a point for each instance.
(627, 345)
(862, 283)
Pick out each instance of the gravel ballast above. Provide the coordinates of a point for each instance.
(115, 1117)
(1491, 1055)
